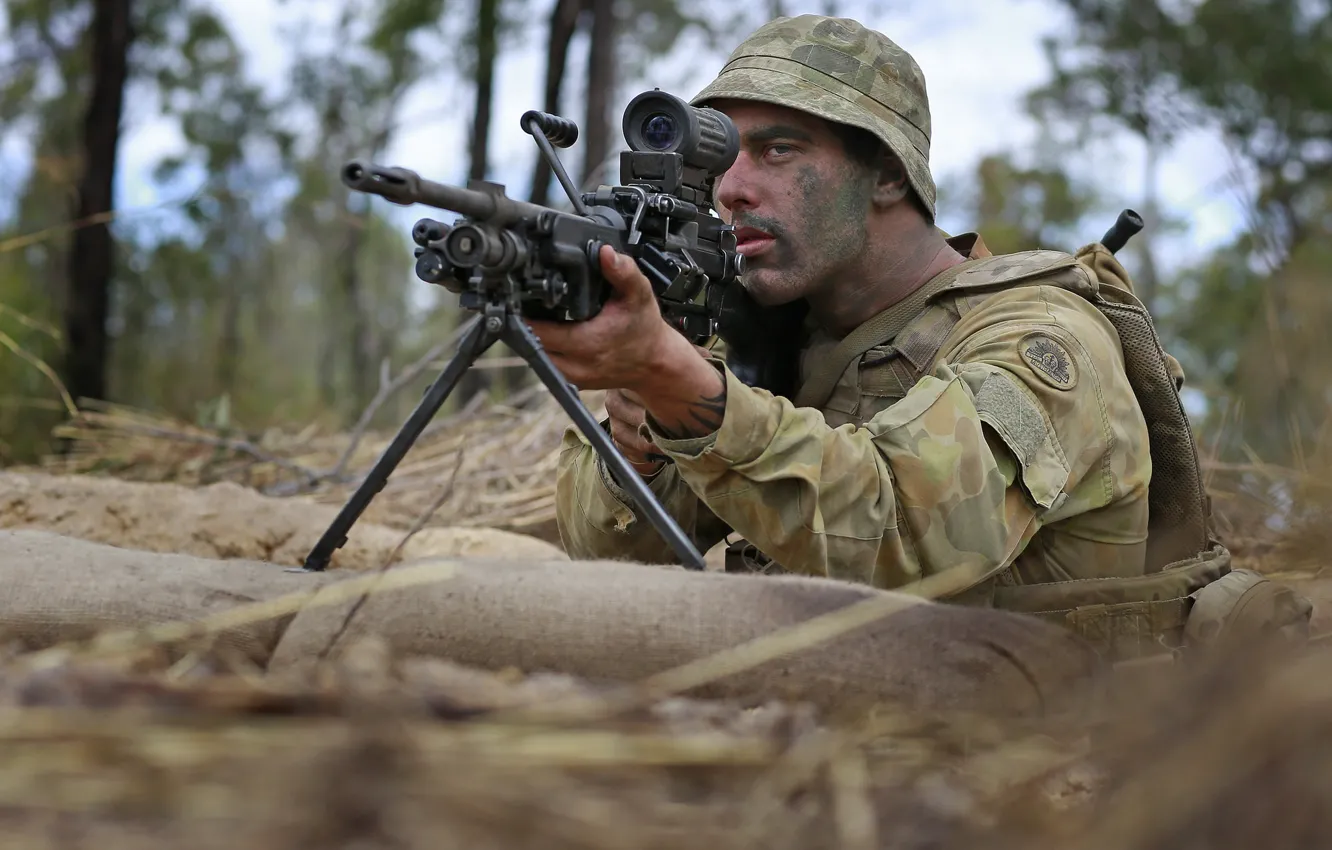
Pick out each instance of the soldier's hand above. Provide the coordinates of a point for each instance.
(626, 413)
(622, 345)
(628, 346)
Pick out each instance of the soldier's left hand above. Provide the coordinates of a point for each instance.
(625, 344)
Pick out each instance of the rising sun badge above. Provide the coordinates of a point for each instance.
(1049, 360)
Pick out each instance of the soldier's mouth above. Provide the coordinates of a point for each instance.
(750, 241)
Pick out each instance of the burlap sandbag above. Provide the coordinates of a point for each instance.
(617, 622)
(58, 589)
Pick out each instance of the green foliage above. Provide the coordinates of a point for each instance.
(210, 295)
(1020, 208)
(1249, 320)
(1259, 70)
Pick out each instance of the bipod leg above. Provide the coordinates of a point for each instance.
(479, 338)
(522, 340)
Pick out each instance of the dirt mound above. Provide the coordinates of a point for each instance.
(226, 521)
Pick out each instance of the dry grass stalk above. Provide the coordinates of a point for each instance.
(119, 753)
(370, 762)
(501, 457)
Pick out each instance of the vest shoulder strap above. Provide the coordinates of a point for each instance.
(894, 323)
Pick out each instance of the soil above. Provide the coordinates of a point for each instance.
(226, 521)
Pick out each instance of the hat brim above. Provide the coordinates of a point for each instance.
(774, 86)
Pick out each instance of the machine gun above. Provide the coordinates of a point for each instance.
(507, 260)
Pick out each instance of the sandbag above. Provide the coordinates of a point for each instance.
(226, 520)
(58, 589)
(598, 620)
(616, 622)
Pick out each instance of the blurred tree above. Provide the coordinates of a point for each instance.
(1260, 73)
(1022, 208)
(628, 42)
(484, 42)
(602, 79)
(562, 24)
(92, 248)
(231, 138)
(69, 67)
(351, 88)
(1115, 74)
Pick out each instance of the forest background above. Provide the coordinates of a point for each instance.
(174, 236)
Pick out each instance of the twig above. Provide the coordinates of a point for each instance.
(35, 403)
(243, 446)
(16, 243)
(112, 643)
(490, 363)
(8, 342)
(420, 522)
(469, 410)
(853, 808)
(29, 322)
(388, 389)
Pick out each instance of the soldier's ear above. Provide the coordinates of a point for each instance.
(892, 186)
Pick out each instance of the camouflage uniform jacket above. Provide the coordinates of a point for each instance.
(1021, 445)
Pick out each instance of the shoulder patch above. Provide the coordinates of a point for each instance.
(1049, 360)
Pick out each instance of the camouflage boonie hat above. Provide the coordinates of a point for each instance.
(841, 71)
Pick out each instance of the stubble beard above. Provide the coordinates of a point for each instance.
(772, 287)
(777, 277)
(810, 265)
(785, 275)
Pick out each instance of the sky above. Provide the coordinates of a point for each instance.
(979, 57)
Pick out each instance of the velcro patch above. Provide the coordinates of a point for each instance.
(1049, 360)
(1011, 410)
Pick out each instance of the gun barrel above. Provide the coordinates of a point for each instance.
(405, 187)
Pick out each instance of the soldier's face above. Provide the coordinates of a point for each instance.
(798, 201)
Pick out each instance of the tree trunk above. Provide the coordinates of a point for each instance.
(563, 23)
(360, 334)
(92, 247)
(487, 22)
(229, 342)
(485, 38)
(600, 88)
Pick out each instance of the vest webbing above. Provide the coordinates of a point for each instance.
(886, 325)
(1133, 615)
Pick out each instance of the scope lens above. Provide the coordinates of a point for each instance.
(660, 131)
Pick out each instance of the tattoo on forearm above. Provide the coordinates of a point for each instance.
(705, 416)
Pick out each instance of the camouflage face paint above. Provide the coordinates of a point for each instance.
(809, 196)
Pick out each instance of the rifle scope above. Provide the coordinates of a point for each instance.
(658, 122)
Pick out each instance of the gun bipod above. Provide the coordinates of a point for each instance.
(499, 323)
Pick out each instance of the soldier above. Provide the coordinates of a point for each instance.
(1011, 416)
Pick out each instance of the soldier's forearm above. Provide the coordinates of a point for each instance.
(686, 397)
(879, 504)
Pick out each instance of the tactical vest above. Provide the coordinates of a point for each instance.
(1189, 595)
